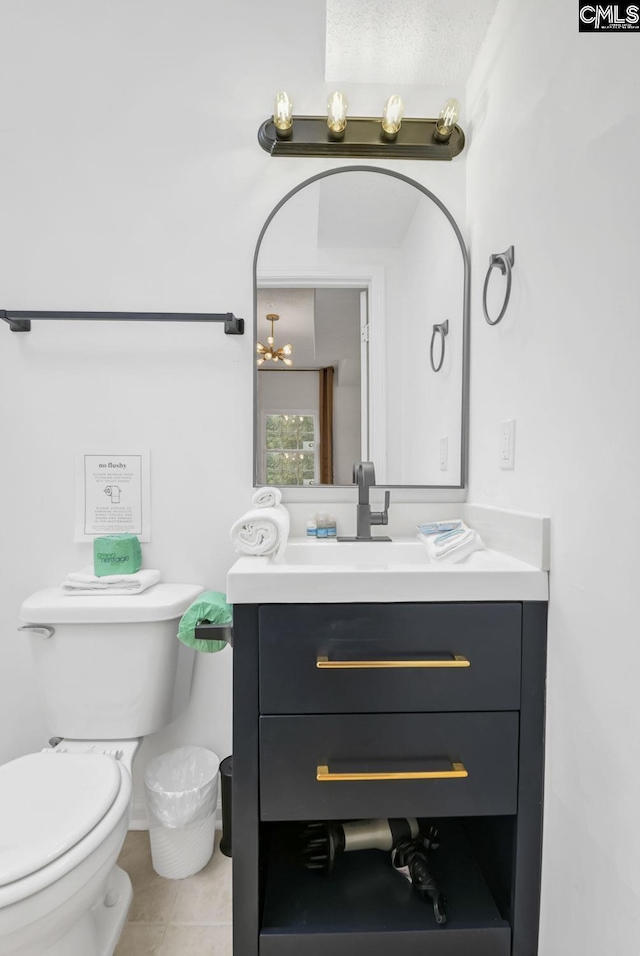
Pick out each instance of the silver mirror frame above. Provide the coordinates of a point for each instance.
(464, 418)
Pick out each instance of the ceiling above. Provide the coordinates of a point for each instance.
(364, 211)
(420, 42)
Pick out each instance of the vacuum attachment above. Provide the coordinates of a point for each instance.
(411, 860)
(323, 843)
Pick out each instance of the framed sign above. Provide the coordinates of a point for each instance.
(112, 494)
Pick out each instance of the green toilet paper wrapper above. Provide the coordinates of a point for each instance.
(116, 554)
(210, 608)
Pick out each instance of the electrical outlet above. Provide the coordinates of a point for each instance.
(444, 454)
(508, 444)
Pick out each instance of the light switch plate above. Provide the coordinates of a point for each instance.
(508, 444)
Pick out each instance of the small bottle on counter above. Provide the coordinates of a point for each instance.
(323, 529)
(332, 528)
(312, 527)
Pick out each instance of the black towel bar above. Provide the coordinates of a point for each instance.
(21, 321)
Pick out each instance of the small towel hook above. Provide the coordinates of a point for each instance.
(442, 330)
(504, 262)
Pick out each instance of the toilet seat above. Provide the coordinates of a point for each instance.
(48, 803)
(81, 797)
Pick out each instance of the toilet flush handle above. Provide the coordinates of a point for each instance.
(44, 629)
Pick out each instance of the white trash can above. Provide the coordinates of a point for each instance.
(181, 787)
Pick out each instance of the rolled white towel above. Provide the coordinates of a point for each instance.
(452, 546)
(261, 531)
(267, 497)
(85, 582)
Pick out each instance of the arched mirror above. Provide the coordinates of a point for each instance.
(361, 282)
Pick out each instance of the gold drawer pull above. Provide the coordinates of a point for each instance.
(457, 770)
(323, 663)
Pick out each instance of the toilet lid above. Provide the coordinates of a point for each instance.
(48, 803)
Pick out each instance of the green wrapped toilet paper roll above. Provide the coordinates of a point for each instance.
(210, 608)
(116, 554)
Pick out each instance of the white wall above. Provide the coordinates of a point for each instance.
(131, 179)
(553, 168)
(291, 391)
(425, 286)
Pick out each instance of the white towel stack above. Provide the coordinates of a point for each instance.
(264, 530)
(452, 545)
(83, 583)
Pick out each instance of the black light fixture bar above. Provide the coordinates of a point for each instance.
(21, 321)
(362, 138)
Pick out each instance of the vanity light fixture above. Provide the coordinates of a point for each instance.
(390, 137)
(269, 352)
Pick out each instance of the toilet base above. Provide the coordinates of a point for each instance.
(98, 931)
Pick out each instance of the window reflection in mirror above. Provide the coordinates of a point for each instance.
(358, 266)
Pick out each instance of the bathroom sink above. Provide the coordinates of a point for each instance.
(361, 554)
(322, 571)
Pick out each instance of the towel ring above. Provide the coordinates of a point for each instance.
(504, 262)
(443, 331)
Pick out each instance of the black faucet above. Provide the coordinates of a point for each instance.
(364, 476)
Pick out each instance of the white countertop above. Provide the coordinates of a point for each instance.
(328, 571)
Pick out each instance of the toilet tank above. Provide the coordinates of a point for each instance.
(112, 666)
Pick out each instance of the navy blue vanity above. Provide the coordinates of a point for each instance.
(364, 711)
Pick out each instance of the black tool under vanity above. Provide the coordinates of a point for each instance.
(424, 711)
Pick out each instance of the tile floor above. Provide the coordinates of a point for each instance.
(190, 917)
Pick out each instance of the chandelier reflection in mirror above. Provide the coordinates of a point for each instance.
(269, 352)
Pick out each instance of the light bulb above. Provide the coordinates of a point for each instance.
(449, 113)
(447, 120)
(268, 355)
(287, 361)
(276, 358)
(392, 116)
(260, 348)
(260, 361)
(283, 115)
(287, 349)
(337, 107)
(269, 340)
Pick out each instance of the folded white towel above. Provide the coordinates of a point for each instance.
(452, 546)
(85, 582)
(261, 531)
(267, 497)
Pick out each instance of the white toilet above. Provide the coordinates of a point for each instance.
(108, 672)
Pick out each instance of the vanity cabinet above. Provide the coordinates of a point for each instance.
(366, 711)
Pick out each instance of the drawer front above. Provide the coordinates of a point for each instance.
(458, 765)
(402, 658)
